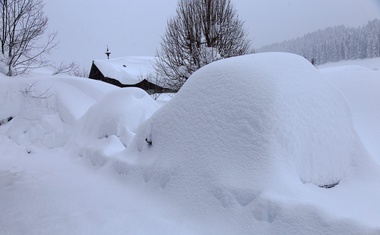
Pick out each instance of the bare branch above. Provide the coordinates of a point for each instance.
(202, 31)
(65, 68)
(28, 92)
(22, 25)
(83, 72)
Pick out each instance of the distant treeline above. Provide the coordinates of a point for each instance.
(334, 44)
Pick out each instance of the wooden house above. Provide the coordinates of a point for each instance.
(127, 72)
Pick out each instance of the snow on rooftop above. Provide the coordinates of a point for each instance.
(127, 70)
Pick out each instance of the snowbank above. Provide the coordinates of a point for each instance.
(240, 135)
(109, 126)
(42, 110)
(257, 110)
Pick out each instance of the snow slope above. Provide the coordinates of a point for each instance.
(249, 145)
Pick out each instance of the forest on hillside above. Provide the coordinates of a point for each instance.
(334, 43)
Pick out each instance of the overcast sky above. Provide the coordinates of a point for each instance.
(135, 27)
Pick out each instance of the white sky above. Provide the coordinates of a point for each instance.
(131, 27)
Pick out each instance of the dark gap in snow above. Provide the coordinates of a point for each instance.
(329, 185)
(103, 137)
(5, 120)
(148, 141)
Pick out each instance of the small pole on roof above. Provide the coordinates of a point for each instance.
(108, 53)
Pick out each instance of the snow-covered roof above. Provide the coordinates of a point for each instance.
(127, 70)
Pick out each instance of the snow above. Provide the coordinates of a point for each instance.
(373, 63)
(127, 70)
(360, 88)
(244, 129)
(109, 125)
(52, 193)
(249, 145)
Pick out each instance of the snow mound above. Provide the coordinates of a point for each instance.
(255, 111)
(109, 126)
(242, 129)
(39, 111)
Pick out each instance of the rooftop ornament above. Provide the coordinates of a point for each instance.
(108, 53)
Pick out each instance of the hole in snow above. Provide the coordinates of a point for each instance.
(148, 141)
(329, 185)
(6, 120)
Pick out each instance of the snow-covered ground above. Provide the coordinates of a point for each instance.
(373, 63)
(260, 144)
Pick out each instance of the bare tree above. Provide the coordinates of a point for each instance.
(65, 68)
(22, 25)
(80, 72)
(201, 32)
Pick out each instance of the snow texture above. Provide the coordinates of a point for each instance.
(360, 86)
(263, 144)
(241, 129)
(43, 109)
(109, 126)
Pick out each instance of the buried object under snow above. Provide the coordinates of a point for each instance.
(252, 134)
(255, 113)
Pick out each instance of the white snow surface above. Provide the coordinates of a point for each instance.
(109, 125)
(127, 70)
(360, 87)
(243, 148)
(372, 63)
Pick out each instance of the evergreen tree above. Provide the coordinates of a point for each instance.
(335, 43)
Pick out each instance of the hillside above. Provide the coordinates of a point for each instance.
(334, 43)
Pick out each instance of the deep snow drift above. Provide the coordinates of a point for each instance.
(258, 144)
(42, 109)
(250, 110)
(109, 126)
(245, 128)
